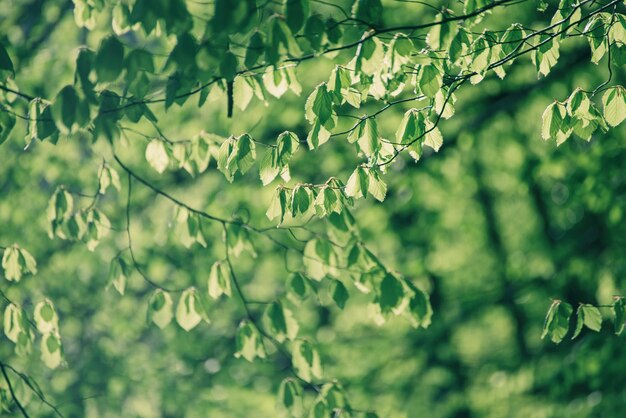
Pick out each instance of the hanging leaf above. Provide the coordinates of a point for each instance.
(190, 310)
(249, 342)
(557, 321)
(279, 322)
(157, 156)
(219, 280)
(109, 60)
(160, 309)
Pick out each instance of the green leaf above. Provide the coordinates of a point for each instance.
(14, 322)
(318, 135)
(619, 311)
(588, 316)
(390, 293)
(278, 206)
(228, 66)
(315, 31)
(66, 109)
(420, 310)
(108, 177)
(249, 342)
(366, 133)
(512, 40)
(440, 36)
(5, 62)
(280, 41)
(275, 81)
(432, 136)
(46, 317)
(592, 317)
(614, 102)
(306, 360)
(279, 322)
(595, 32)
(296, 12)
(157, 156)
(290, 397)
(339, 293)
(236, 154)
(557, 321)
(555, 123)
(358, 183)
(299, 286)
(547, 54)
(376, 187)
(109, 60)
(300, 200)
(190, 311)
(60, 208)
(254, 50)
(328, 200)
(51, 351)
(319, 105)
(429, 80)
(219, 280)
(7, 122)
(368, 11)
(118, 273)
(160, 309)
(411, 127)
(16, 262)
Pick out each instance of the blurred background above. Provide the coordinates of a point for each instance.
(493, 226)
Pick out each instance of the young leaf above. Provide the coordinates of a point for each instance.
(46, 317)
(557, 321)
(279, 322)
(278, 206)
(318, 106)
(614, 102)
(367, 136)
(429, 80)
(160, 308)
(299, 286)
(51, 353)
(301, 200)
(554, 123)
(219, 280)
(118, 273)
(377, 187)
(14, 322)
(306, 360)
(16, 262)
(156, 155)
(290, 397)
(420, 310)
(432, 136)
(411, 127)
(249, 341)
(108, 177)
(190, 311)
(358, 183)
(339, 293)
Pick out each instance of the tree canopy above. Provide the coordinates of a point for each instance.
(312, 208)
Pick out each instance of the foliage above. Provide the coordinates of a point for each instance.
(202, 171)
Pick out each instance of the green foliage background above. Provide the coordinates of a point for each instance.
(493, 227)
